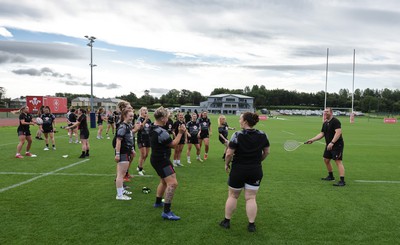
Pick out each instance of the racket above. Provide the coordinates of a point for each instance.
(291, 145)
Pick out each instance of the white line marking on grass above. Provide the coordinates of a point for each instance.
(70, 174)
(41, 176)
(288, 132)
(378, 181)
(14, 143)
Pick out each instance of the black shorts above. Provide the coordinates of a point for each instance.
(48, 130)
(84, 135)
(143, 143)
(99, 123)
(125, 157)
(164, 169)
(193, 139)
(221, 140)
(26, 133)
(182, 141)
(204, 135)
(336, 153)
(245, 177)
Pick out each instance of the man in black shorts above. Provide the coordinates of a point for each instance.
(332, 131)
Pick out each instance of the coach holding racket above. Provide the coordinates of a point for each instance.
(246, 149)
(332, 131)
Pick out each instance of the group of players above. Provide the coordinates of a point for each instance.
(246, 150)
(46, 124)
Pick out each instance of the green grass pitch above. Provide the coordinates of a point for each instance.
(56, 200)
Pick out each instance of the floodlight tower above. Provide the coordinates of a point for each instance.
(92, 112)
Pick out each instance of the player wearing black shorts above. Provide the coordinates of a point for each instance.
(24, 133)
(161, 144)
(100, 118)
(223, 132)
(168, 125)
(178, 149)
(124, 152)
(246, 149)
(332, 131)
(110, 123)
(84, 132)
(48, 127)
(74, 130)
(205, 125)
(143, 138)
(193, 135)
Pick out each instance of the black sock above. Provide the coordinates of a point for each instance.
(47, 145)
(330, 174)
(83, 153)
(342, 178)
(252, 224)
(54, 146)
(167, 207)
(227, 220)
(140, 169)
(158, 200)
(87, 152)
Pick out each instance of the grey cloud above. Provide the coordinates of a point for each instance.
(96, 85)
(41, 50)
(159, 90)
(16, 9)
(6, 57)
(45, 71)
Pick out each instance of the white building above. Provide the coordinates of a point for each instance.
(109, 104)
(224, 104)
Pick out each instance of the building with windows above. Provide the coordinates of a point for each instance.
(224, 104)
(109, 104)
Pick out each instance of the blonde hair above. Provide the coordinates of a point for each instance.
(143, 108)
(220, 118)
(160, 113)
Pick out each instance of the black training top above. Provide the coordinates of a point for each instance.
(83, 123)
(248, 145)
(27, 118)
(193, 128)
(159, 142)
(329, 127)
(204, 123)
(168, 126)
(223, 130)
(48, 120)
(124, 133)
(143, 133)
(175, 126)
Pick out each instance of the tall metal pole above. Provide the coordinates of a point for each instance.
(92, 112)
(352, 94)
(326, 76)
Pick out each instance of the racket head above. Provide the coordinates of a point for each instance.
(291, 145)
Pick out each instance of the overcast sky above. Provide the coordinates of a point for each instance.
(159, 45)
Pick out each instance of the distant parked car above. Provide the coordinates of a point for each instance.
(264, 111)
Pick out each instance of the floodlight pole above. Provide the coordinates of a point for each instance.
(92, 112)
(326, 76)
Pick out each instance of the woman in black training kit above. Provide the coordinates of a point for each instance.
(246, 149)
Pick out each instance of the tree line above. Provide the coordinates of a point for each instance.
(368, 100)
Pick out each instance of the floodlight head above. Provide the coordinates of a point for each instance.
(92, 37)
(87, 36)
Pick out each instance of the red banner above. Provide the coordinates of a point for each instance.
(34, 103)
(390, 120)
(262, 117)
(58, 105)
